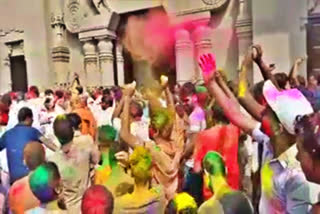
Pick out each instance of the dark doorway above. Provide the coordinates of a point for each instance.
(18, 73)
(313, 44)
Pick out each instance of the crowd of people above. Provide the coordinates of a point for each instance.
(211, 146)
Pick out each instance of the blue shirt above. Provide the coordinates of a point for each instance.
(14, 141)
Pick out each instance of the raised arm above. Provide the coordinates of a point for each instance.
(48, 143)
(230, 107)
(169, 96)
(125, 133)
(266, 70)
(244, 96)
(294, 71)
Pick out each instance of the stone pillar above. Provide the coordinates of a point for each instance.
(60, 52)
(244, 34)
(106, 61)
(92, 74)
(120, 64)
(185, 63)
(203, 45)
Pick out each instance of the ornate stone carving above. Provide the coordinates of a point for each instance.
(209, 6)
(105, 49)
(101, 6)
(89, 50)
(217, 3)
(57, 19)
(60, 54)
(74, 15)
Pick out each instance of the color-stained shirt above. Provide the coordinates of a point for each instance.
(14, 141)
(225, 140)
(74, 168)
(153, 203)
(290, 191)
(21, 197)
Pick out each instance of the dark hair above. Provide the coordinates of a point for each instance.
(219, 115)
(75, 120)
(35, 90)
(34, 155)
(139, 108)
(42, 180)
(282, 79)
(97, 200)
(79, 89)
(308, 129)
(105, 92)
(107, 100)
(187, 89)
(48, 92)
(63, 129)
(6, 99)
(47, 101)
(24, 113)
(301, 80)
(59, 94)
(257, 91)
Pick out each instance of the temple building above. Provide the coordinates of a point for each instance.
(44, 42)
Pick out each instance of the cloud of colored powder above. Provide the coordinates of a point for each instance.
(151, 37)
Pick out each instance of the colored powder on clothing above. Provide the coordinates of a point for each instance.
(242, 88)
(267, 179)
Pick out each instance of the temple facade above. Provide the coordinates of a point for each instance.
(45, 42)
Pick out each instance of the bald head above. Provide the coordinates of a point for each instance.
(34, 154)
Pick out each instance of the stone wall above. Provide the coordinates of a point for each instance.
(28, 16)
(279, 26)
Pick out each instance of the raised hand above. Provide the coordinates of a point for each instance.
(164, 81)
(207, 63)
(257, 53)
(300, 60)
(122, 158)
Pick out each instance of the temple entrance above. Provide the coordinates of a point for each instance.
(18, 73)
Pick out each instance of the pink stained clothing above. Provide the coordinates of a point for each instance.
(223, 139)
(21, 197)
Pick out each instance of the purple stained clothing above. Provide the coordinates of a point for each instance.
(312, 95)
(291, 192)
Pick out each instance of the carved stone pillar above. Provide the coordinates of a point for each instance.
(184, 56)
(120, 64)
(92, 74)
(244, 34)
(203, 44)
(106, 61)
(60, 52)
